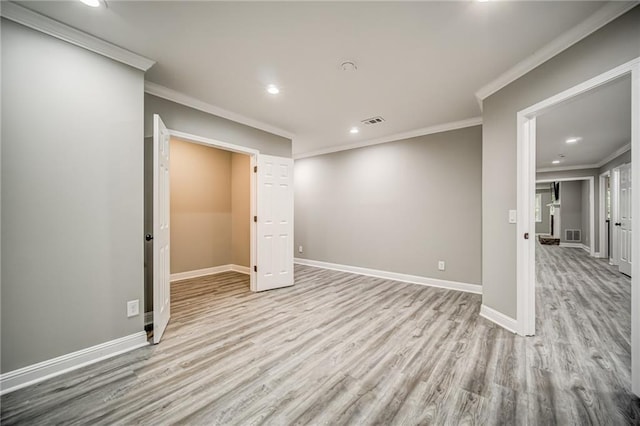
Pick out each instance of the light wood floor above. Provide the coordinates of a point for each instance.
(345, 349)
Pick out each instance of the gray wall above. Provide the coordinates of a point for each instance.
(544, 227)
(399, 206)
(570, 207)
(615, 44)
(72, 188)
(190, 120)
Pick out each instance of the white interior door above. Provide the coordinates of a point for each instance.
(161, 280)
(275, 222)
(625, 219)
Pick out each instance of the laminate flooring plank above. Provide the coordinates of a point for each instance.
(339, 348)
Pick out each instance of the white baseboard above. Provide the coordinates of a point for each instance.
(570, 245)
(26, 376)
(395, 276)
(208, 271)
(499, 318)
(241, 269)
(576, 245)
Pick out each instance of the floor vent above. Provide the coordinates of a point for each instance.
(373, 120)
(572, 235)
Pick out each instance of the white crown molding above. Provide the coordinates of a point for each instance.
(607, 13)
(615, 154)
(438, 128)
(499, 318)
(395, 276)
(32, 374)
(597, 165)
(567, 168)
(71, 35)
(186, 100)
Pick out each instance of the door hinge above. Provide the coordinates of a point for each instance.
(255, 169)
(255, 268)
(526, 235)
(255, 218)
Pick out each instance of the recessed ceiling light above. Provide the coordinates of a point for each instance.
(354, 130)
(555, 162)
(273, 89)
(92, 3)
(483, 1)
(572, 140)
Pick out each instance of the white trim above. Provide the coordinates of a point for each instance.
(578, 89)
(71, 35)
(526, 187)
(602, 217)
(615, 154)
(241, 269)
(212, 142)
(567, 168)
(599, 19)
(438, 128)
(179, 276)
(395, 276)
(499, 318)
(26, 376)
(574, 245)
(186, 100)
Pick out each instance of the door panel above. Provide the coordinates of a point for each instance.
(161, 246)
(275, 223)
(625, 219)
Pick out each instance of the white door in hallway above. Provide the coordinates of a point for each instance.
(275, 222)
(624, 223)
(161, 247)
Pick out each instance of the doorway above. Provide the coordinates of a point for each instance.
(568, 199)
(526, 174)
(271, 219)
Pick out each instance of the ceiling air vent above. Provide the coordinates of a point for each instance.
(373, 120)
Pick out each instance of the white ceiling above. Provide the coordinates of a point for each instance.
(419, 63)
(601, 117)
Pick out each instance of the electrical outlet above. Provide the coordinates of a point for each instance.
(441, 265)
(299, 249)
(133, 308)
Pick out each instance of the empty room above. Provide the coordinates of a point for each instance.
(319, 212)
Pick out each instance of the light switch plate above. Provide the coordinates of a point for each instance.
(513, 216)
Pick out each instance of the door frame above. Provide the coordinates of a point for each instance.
(592, 208)
(602, 217)
(253, 154)
(615, 215)
(526, 173)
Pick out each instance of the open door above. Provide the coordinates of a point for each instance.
(161, 279)
(624, 222)
(274, 267)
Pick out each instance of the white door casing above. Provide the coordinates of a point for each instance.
(615, 216)
(526, 191)
(275, 222)
(625, 219)
(161, 246)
